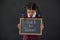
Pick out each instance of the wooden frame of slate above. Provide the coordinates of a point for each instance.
(30, 26)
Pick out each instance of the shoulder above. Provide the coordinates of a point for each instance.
(24, 15)
(39, 15)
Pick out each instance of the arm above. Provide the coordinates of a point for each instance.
(42, 26)
(19, 24)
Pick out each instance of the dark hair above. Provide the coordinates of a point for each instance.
(31, 5)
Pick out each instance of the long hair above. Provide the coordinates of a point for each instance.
(33, 6)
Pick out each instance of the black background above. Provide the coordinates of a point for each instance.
(11, 12)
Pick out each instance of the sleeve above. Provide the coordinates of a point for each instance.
(18, 20)
(20, 16)
(39, 13)
(39, 16)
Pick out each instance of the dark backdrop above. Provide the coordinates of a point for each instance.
(11, 11)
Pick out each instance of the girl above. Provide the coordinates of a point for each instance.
(31, 11)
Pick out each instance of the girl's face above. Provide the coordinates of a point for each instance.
(30, 12)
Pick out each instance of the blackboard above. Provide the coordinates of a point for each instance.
(30, 26)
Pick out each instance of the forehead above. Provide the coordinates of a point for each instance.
(30, 10)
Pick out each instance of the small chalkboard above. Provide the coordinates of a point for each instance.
(30, 26)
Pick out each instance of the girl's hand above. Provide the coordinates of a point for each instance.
(42, 27)
(19, 25)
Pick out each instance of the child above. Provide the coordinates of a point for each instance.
(31, 12)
